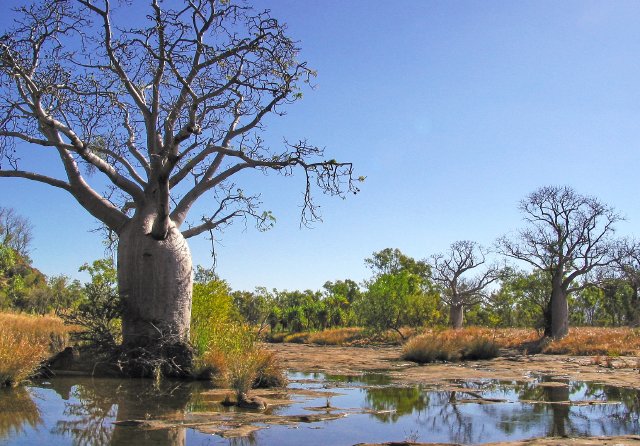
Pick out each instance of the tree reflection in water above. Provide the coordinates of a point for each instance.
(461, 413)
(93, 405)
(17, 411)
(564, 404)
(538, 408)
(390, 403)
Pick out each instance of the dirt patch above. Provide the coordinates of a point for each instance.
(621, 371)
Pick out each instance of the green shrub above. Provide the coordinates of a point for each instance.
(277, 338)
(236, 359)
(211, 314)
(99, 313)
(228, 351)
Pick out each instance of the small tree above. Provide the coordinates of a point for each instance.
(400, 293)
(568, 237)
(453, 272)
(100, 312)
(393, 261)
(15, 231)
(388, 302)
(339, 298)
(255, 307)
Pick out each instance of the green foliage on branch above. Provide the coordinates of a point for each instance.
(99, 312)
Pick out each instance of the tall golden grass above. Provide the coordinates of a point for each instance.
(336, 336)
(586, 341)
(478, 343)
(347, 336)
(451, 345)
(25, 341)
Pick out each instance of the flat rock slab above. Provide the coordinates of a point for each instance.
(336, 360)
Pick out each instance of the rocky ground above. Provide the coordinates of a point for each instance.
(620, 371)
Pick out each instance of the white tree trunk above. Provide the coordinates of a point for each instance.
(155, 283)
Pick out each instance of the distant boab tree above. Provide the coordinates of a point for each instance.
(463, 275)
(164, 107)
(568, 237)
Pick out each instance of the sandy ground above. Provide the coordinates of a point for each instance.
(623, 371)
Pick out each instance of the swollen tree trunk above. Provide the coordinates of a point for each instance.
(559, 313)
(456, 315)
(155, 284)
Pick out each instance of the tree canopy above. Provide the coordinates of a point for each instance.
(568, 236)
(165, 108)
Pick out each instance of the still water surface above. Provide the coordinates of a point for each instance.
(82, 411)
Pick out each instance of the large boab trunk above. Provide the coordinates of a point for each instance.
(155, 284)
(456, 316)
(559, 314)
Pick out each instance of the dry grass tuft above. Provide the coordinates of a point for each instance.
(350, 336)
(297, 338)
(451, 345)
(588, 341)
(247, 370)
(336, 336)
(269, 371)
(513, 337)
(26, 341)
(236, 359)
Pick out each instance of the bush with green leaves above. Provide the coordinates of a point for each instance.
(211, 311)
(226, 348)
(99, 312)
(397, 300)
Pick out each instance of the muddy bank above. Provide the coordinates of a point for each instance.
(621, 371)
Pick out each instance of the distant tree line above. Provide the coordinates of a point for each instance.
(566, 268)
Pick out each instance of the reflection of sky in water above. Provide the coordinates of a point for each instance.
(74, 411)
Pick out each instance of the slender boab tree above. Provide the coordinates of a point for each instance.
(569, 237)
(463, 274)
(164, 107)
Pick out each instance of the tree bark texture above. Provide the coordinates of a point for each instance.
(559, 313)
(155, 283)
(456, 316)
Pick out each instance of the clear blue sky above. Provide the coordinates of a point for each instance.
(454, 110)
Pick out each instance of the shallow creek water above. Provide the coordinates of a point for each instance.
(322, 409)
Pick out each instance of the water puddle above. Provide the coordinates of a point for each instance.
(315, 409)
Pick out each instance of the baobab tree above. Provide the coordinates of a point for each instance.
(569, 237)
(166, 107)
(463, 274)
